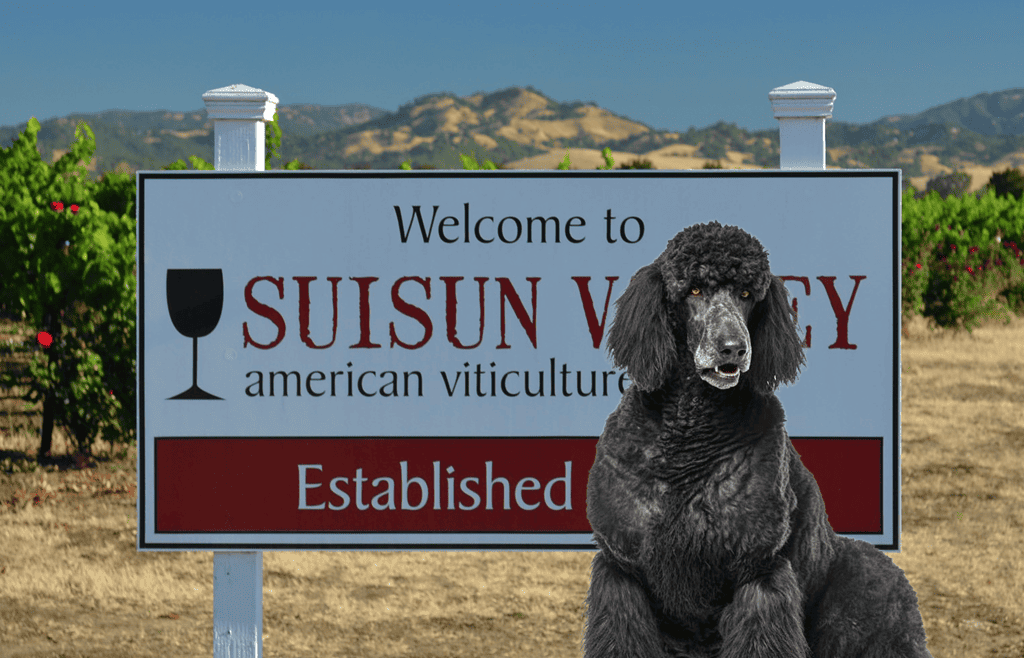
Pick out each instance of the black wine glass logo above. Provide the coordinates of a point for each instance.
(195, 299)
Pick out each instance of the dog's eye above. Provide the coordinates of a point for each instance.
(695, 292)
(745, 294)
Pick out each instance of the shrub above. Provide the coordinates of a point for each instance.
(961, 261)
(955, 184)
(1008, 182)
(638, 164)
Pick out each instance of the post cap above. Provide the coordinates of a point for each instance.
(240, 102)
(802, 99)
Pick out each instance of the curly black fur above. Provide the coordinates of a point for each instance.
(713, 535)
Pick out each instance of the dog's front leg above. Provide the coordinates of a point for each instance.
(765, 618)
(620, 621)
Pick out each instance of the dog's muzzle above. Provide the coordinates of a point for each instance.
(722, 376)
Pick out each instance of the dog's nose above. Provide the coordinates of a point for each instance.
(732, 347)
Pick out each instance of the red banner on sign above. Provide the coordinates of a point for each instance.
(849, 474)
(408, 485)
(383, 484)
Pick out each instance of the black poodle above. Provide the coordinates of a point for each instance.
(713, 535)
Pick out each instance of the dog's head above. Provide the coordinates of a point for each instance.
(710, 303)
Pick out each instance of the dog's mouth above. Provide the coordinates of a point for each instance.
(724, 375)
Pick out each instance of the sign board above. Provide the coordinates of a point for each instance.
(399, 360)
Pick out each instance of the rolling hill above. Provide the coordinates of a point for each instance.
(521, 128)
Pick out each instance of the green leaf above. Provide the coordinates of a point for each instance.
(199, 163)
(54, 281)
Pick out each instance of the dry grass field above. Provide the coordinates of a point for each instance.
(73, 584)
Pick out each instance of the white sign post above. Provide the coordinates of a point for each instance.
(360, 360)
(238, 113)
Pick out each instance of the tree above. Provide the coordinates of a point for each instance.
(1008, 182)
(67, 267)
(62, 259)
(955, 183)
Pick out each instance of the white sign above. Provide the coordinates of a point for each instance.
(366, 359)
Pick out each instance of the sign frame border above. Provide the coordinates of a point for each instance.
(585, 540)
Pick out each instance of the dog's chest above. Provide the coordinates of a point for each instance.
(676, 484)
(694, 498)
(726, 503)
(722, 515)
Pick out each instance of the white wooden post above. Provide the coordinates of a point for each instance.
(801, 108)
(238, 113)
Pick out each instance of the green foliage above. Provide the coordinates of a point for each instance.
(115, 192)
(469, 162)
(606, 153)
(961, 259)
(271, 141)
(407, 165)
(1008, 182)
(197, 163)
(67, 261)
(67, 269)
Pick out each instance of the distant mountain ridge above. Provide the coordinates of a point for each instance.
(520, 127)
(1000, 113)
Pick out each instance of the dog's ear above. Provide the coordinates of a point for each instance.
(777, 349)
(640, 338)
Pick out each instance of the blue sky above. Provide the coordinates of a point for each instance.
(670, 65)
